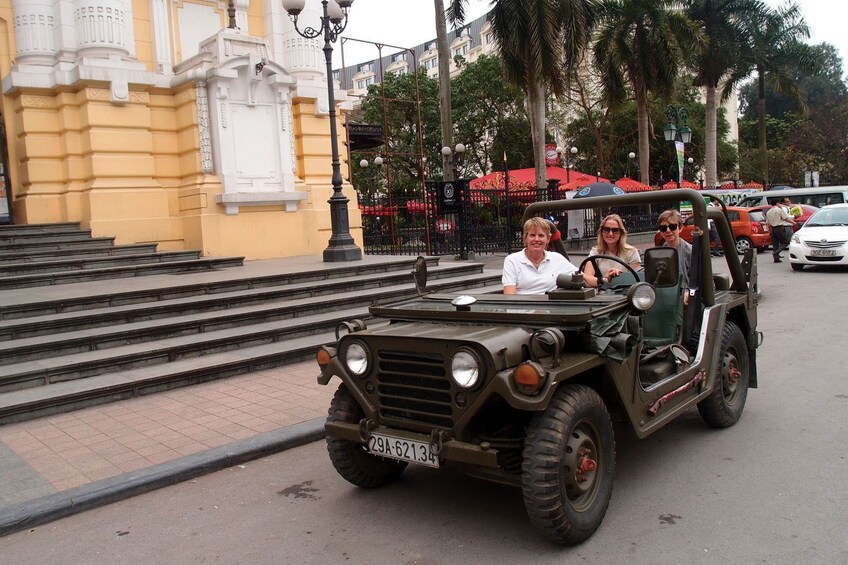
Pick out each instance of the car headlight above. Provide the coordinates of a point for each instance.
(642, 296)
(356, 358)
(795, 238)
(465, 369)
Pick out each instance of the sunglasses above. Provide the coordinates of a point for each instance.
(672, 227)
(605, 229)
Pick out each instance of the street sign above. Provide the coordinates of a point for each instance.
(449, 195)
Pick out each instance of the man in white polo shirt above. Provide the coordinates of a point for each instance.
(534, 269)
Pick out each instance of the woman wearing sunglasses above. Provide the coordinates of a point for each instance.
(612, 240)
(670, 222)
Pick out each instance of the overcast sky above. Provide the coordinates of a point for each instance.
(407, 23)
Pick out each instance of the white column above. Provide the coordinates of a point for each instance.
(36, 28)
(161, 33)
(103, 28)
(241, 13)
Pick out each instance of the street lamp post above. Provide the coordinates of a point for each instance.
(333, 21)
(365, 164)
(689, 162)
(564, 153)
(632, 159)
(455, 157)
(677, 130)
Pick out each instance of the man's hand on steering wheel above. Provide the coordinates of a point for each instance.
(603, 283)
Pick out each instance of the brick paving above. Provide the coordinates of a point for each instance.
(52, 454)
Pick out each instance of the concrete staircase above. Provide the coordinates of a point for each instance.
(103, 340)
(48, 254)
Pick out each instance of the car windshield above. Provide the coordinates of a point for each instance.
(831, 217)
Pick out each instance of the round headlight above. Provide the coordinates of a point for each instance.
(356, 358)
(642, 296)
(465, 369)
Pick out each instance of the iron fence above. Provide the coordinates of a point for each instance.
(489, 221)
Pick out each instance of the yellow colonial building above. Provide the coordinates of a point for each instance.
(151, 121)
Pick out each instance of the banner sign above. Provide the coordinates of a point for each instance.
(680, 146)
(551, 155)
(449, 195)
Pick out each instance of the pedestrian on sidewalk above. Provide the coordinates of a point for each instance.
(781, 223)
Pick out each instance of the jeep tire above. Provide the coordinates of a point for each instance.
(568, 465)
(723, 407)
(351, 460)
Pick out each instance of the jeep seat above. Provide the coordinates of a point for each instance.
(660, 324)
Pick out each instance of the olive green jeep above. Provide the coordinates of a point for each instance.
(520, 389)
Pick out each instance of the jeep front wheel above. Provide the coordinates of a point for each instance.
(351, 460)
(723, 407)
(568, 465)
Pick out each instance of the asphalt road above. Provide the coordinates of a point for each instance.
(772, 489)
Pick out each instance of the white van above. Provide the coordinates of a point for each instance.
(821, 196)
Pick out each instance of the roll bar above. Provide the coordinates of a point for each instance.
(699, 211)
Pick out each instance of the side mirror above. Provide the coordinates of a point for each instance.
(661, 266)
(419, 274)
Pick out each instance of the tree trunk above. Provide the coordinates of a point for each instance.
(644, 118)
(444, 86)
(536, 111)
(711, 127)
(761, 125)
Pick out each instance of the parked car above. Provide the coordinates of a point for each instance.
(800, 220)
(823, 240)
(749, 228)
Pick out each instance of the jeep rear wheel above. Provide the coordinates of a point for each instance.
(568, 465)
(351, 460)
(723, 407)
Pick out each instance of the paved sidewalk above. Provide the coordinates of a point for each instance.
(82, 450)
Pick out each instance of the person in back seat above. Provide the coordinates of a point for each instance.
(670, 223)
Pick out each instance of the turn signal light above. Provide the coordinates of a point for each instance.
(527, 375)
(323, 357)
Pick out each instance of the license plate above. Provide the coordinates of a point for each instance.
(402, 449)
(822, 252)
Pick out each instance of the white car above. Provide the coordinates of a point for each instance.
(823, 240)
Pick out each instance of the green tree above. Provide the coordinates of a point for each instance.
(639, 50)
(778, 56)
(539, 41)
(490, 117)
(724, 22)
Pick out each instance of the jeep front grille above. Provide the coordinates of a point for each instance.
(414, 387)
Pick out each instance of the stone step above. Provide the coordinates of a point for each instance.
(199, 335)
(38, 402)
(41, 401)
(29, 229)
(120, 317)
(84, 299)
(91, 252)
(202, 264)
(13, 240)
(74, 264)
(61, 246)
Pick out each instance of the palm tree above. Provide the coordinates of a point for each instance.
(643, 43)
(540, 40)
(779, 56)
(725, 24)
(456, 15)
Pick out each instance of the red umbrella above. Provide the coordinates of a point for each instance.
(752, 184)
(525, 179)
(683, 184)
(729, 184)
(632, 185)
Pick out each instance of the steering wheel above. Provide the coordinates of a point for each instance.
(593, 259)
